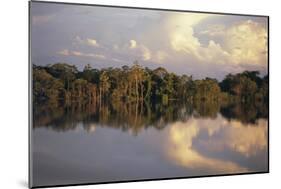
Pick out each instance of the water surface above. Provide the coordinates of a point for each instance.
(87, 143)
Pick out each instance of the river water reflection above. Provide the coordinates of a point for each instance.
(86, 143)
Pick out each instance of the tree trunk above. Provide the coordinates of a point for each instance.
(137, 92)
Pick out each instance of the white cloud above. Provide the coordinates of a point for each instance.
(115, 47)
(243, 42)
(89, 41)
(77, 53)
(247, 43)
(137, 49)
(245, 140)
(118, 60)
(133, 44)
(100, 56)
(92, 42)
(66, 52)
(160, 56)
(182, 151)
(214, 53)
(181, 33)
(146, 54)
(214, 30)
(78, 39)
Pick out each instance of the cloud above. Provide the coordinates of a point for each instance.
(243, 42)
(92, 42)
(92, 55)
(182, 39)
(133, 44)
(89, 41)
(146, 54)
(246, 140)
(160, 56)
(115, 47)
(184, 154)
(136, 49)
(181, 32)
(118, 60)
(214, 53)
(247, 42)
(77, 53)
(66, 52)
(202, 45)
(214, 30)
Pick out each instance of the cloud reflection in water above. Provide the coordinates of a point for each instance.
(186, 140)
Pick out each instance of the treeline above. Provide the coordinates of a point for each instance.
(136, 117)
(64, 82)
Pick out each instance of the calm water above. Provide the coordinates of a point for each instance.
(99, 143)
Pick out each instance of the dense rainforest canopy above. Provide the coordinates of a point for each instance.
(65, 83)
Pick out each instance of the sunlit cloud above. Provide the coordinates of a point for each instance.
(214, 30)
(135, 49)
(88, 41)
(247, 43)
(118, 60)
(92, 42)
(247, 140)
(181, 32)
(244, 42)
(146, 54)
(185, 43)
(222, 135)
(160, 56)
(115, 47)
(77, 53)
(182, 39)
(66, 52)
(182, 152)
(133, 44)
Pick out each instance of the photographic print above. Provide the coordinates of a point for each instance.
(123, 94)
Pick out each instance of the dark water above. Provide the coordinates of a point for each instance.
(85, 143)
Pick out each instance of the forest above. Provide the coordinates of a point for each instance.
(133, 98)
(64, 83)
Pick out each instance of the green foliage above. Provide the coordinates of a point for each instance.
(63, 82)
(247, 86)
(207, 89)
(46, 87)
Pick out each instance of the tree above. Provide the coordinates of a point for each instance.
(65, 72)
(46, 87)
(133, 84)
(137, 76)
(104, 85)
(207, 89)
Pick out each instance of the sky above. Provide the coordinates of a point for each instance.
(197, 44)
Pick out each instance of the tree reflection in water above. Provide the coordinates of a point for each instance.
(188, 139)
(136, 116)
